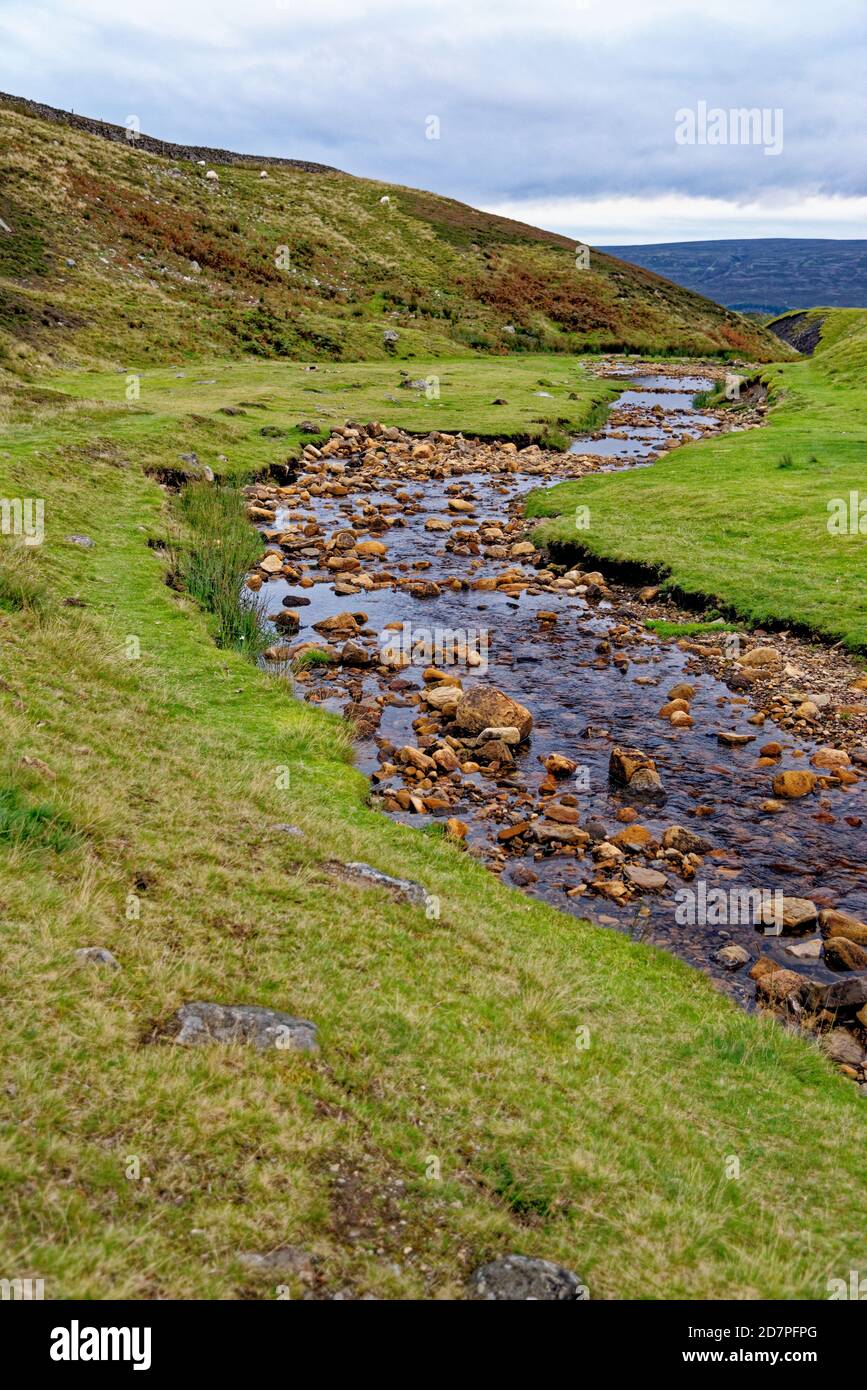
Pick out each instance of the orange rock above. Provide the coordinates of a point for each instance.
(793, 784)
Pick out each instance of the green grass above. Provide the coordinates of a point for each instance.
(743, 519)
(25, 825)
(663, 628)
(279, 396)
(451, 1038)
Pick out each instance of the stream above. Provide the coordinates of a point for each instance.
(592, 675)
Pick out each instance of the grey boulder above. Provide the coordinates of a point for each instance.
(194, 1025)
(518, 1278)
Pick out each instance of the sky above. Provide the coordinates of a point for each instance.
(614, 121)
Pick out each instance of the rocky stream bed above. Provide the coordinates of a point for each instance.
(706, 794)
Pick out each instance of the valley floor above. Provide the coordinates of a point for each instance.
(450, 1114)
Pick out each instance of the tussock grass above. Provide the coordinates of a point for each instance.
(222, 548)
(28, 825)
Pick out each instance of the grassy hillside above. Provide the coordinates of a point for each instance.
(115, 256)
(744, 517)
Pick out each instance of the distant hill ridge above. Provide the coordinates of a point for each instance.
(107, 131)
(765, 275)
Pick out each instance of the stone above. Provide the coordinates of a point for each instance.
(485, 706)
(286, 620)
(516, 1278)
(563, 815)
(682, 691)
(338, 622)
(835, 923)
(771, 750)
(414, 757)
(796, 914)
(547, 833)
(830, 758)
(731, 957)
(506, 734)
(446, 760)
(84, 542)
(649, 879)
(734, 740)
(777, 986)
(761, 656)
(634, 837)
(365, 876)
(631, 768)
(457, 829)
(805, 950)
(511, 832)
(765, 965)
(287, 1259)
(444, 697)
(842, 954)
(794, 783)
(684, 841)
(272, 563)
(495, 750)
(841, 1046)
(843, 996)
(96, 955)
(559, 765)
(194, 1025)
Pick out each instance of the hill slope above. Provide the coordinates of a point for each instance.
(763, 274)
(111, 253)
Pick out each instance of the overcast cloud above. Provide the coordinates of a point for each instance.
(560, 112)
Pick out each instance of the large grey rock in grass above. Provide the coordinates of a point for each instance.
(197, 1024)
(515, 1277)
(288, 1259)
(96, 955)
(365, 876)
